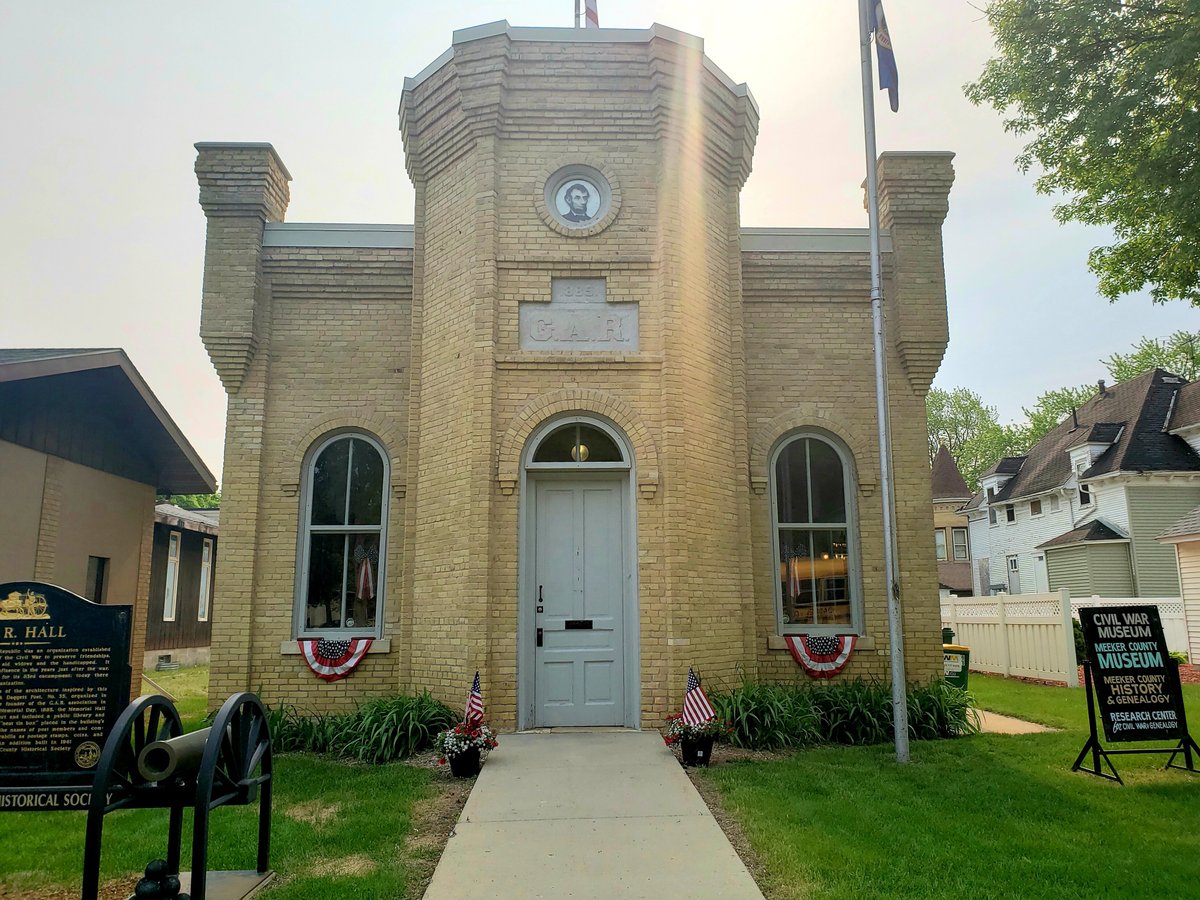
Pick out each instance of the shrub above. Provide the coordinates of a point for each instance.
(778, 716)
(378, 731)
(1080, 645)
(1179, 656)
(768, 716)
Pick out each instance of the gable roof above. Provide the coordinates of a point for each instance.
(91, 406)
(1187, 407)
(1131, 416)
(1092, 531)
(948, 483)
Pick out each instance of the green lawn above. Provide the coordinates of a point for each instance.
(338, 829)
(985, 816)
(189, 687)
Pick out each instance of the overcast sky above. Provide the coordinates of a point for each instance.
(102, 239)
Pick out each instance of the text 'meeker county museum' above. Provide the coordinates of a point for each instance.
(575, 427)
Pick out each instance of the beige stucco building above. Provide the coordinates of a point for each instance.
(576, 427)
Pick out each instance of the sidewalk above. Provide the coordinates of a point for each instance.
(587, 814)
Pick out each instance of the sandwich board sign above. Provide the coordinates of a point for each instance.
(1132, 687)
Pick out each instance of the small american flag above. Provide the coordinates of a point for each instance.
(591, 18)
(696, 708)
(475, 704)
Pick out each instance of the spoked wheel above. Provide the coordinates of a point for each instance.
(144, 721)
(235, 767)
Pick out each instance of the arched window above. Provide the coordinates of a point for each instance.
(340, 581)
(815, 536)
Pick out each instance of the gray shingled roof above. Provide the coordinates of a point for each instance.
(1189, 524)
(1092, 531)
(1130, 416)
(955, 576)
(206, 520)
(1187, 407)
(948, 483)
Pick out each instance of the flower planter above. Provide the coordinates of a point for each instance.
(697, 752)
(465, 764)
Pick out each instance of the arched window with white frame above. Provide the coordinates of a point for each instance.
(815, 536)
(340, 579)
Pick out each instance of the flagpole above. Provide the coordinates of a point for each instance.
(895, 627)
(576, 25)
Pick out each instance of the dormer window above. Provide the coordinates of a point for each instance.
(1085, 495)
(991, 492)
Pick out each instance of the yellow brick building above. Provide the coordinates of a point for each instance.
(575, 428)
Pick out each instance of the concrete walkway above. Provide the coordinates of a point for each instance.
(587, 814)
(995, 723)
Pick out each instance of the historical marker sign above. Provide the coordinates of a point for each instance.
(1137, 685)
(64, 680)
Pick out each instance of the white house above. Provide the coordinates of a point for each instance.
(1082, 510)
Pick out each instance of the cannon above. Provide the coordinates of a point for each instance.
(149, 763)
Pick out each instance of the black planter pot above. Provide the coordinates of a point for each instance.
(697, 752)
(466, 764)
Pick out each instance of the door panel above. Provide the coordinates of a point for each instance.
(579, 580)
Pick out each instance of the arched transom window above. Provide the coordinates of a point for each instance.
(815, 539)
(578, 444)
(341, 577)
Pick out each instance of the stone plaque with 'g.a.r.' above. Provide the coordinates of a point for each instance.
(64, 680)
(1138, 697)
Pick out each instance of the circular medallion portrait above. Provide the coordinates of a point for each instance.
(578, 200)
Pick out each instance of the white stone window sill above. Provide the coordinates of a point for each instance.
(380, 645)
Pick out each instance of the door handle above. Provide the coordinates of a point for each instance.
(539, 637)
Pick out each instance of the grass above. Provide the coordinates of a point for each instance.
(338, 828)
(189, 687)
(337, 831)
(983, 816)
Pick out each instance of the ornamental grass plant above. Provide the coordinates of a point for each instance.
(766, 716)
(378, 731)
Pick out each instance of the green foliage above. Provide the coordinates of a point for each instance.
(1107, 92)
(1080, 643)
(1053, 407)
(766, 716)
(193, 501)
(1178, 353)
(378, 731)
(1179, 656)
(970, 430)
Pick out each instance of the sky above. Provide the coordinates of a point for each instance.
(102, 238)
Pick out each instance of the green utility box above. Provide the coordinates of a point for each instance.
(956, 662)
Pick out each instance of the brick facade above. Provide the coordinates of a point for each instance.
(418, 346)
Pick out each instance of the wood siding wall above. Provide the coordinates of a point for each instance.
(187, 630)
(1152, 510)
(1189, 573)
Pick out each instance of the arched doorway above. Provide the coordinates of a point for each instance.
(577, 635)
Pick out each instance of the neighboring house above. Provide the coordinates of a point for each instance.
(576, 454)
(1184, 535)
(84, 446)
(951, 540)
(1083, 509)
(182, 576)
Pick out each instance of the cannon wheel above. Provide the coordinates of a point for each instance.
(145, 720)
(236, 761)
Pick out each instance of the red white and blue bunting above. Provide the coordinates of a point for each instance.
(821, 656)
(333, 659)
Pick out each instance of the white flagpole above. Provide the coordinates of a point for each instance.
(891, 576)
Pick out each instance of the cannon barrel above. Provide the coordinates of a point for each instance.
(174, 756)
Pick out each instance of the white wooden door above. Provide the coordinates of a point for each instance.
(579, 600)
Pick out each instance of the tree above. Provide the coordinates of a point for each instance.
(1052, 407)
(1109, 91)
(1178, 353)
(193, 501)
(970, 430)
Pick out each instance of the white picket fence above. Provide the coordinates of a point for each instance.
(1031, 635)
